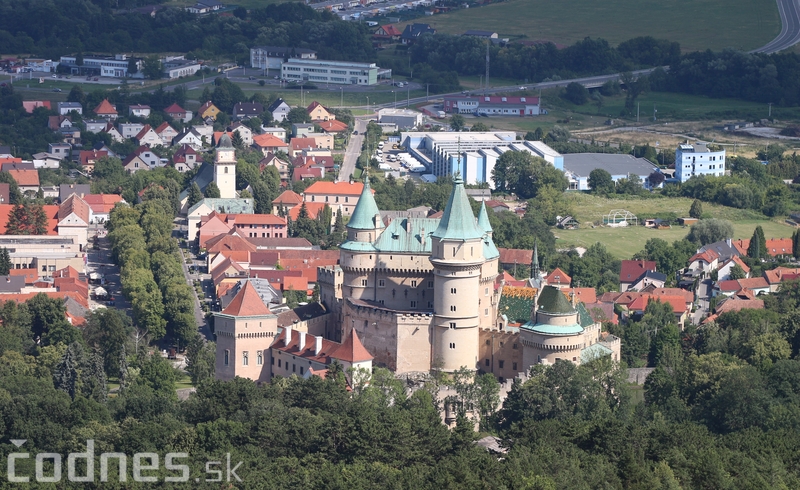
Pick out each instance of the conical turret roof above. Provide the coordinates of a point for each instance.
(458, 221)
(364, 215)
(553, 301)
(225, 141)
(483, 219)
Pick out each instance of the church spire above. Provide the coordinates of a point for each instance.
(535, 260)
(458, 221)
(366, 215)
(483, 219)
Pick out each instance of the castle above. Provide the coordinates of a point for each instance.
(414, 295)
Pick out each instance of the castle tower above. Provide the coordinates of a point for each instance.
(225, 168)
(244, 329)
(457, 256)
(554, 332)
(359, 256)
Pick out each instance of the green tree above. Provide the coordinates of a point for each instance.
(200, 360)
(479, 127)
(710, 230)
(576, 93)
(212, 191)
(696, 211)
(600, 182)
(457, 122)
(152, 68)
(758, 244)
(796, 244)
(298, 115)
(737, 272)
(195, 195)
(5, 262)
(107, 331)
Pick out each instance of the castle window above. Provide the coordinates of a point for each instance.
(293, 367)
(514, 347)
(273, 361)
(413, 304)
(487, 362)
(454, 251)
(486, 312)
(452, 325)
(227, 356)
(413, 284)
(514, 365)
(381, 283)
(500, 364)
(393, 293)
(487, 342)
(279, 363)
(226, 169)
(452, 345)
(244, 358)
(406, 293)
(452, 307)
(259, 358)
(452, 290)
(430, 304)
(486, 291)
(363, 282)
(501, 344)
(430, 284)
(301, 369)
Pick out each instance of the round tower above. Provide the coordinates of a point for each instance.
(359, 256)
(225, 168)
(457, 255)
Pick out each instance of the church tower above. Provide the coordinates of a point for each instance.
(359, 256)
(457, 255)
(225, 168)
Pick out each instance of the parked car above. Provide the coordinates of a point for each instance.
(251, 78)
(56, 90)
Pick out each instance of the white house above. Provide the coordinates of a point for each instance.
(697, 159)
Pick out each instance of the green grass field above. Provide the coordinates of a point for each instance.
(624, 242)
(695, 24)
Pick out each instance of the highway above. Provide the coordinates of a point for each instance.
(789, 11)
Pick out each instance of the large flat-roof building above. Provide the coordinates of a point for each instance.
(104, 66)
(578, 166)
(697, 159)
(491, 105)
(271, 57)
(403, 118)
(478, 151)
(338, 72)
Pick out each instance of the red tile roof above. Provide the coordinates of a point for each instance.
(741, 263)
(175, 109)
(312, 208)
(777, 275)
(351, 350)
(86, 155)
(736, 285)
(775, 246)
(584, 295)
(102, 203)
(708, 256)
(247, 302)
(224, 243)
(558, 277)
(105, 107)
(335, 188)
(631, 270)
(640, 303)
(515, 256)
(30, 275)
(687, 296)
(288, 197)
(74, 204)
(332, 126)
(268, 141)
(303, 143)
(30, 105)
(25, 177)
(256, 219)
(163, 127)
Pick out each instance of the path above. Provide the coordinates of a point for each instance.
(353, 151)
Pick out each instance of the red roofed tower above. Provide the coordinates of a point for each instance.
(352, 354)
(244, 329)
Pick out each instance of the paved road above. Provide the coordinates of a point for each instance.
(353, 150)
(789, 11)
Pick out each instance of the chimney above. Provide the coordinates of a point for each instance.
(422, 236)
(302, 340)
(317, 345)
(729, 242)
(408, 225)
(288, 339)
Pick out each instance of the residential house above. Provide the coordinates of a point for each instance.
(243, 110)
(186, 158)
(113, 132)
(308, 169)
(105, 110)
(166, 132)
(387, 33)
(649, 279)
(208, 111)
(88, 158)
(139, 110)
(45, 160)
(220, 205)
(148, 137)
(134, 163)
(101, 206)
(73, 219)
(55, 123)
(271, 160)
(776, 247)
(30, 105)
(704, 262)
(338, 195)
(244, 132)
(64, 108)
(414, 31)
(279, 110)
(189, 137)
(95, 125)
(27, 180)
(323, 141)
(269, 145)
(755, 285)
(636, 308)
(148, 157)
(558, 279)
(286, 202)
(332, 127)
(277, 132)
(60, 150)
(318, 113)
(724, 271)
(130, 130)
(632, 270)
(778, 275)
(66, 190)
(178, 113)
(298, 145)
(205, 131)
(246, 225)
(302, 130)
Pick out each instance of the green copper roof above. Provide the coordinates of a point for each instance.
(458, 222)
(404, 235)
(595, 351)
(547, 329)
(483, 219)
(226, 205)
(366, 210)
(355, 246)
(552, 300)
(584, 318)
(489, 249)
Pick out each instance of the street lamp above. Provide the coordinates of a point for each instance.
(367, 105)
(341, 97)
(395, 98)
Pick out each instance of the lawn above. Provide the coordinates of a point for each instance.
(695, 24)
(624, 242)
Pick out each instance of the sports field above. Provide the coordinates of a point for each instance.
(695, 24)
(624, 242)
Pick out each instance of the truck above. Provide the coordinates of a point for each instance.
(441, 114)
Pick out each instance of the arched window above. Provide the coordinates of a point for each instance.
(226, 170)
